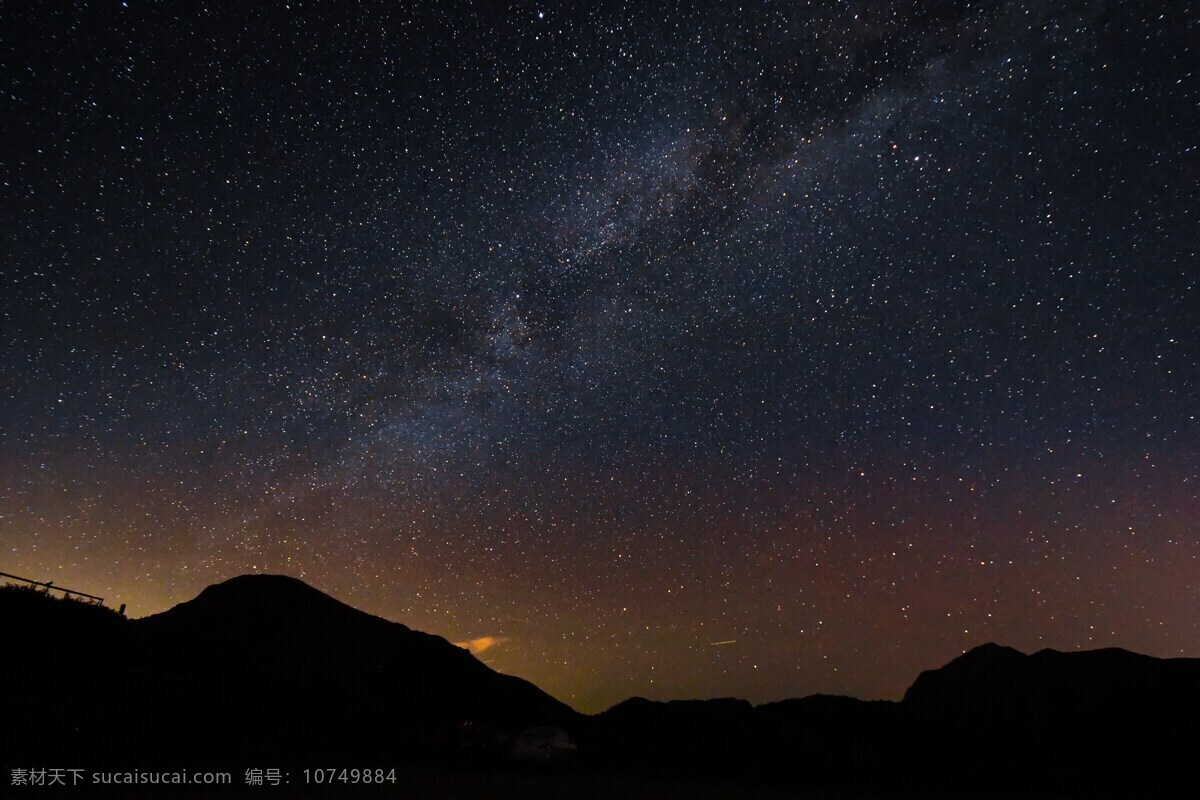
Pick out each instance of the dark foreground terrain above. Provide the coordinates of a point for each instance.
(264, 673)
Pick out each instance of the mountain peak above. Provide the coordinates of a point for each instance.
(264, 579)
(258, 585)
(277, 601)
(988, 664)
(276, 637)
(989, 652)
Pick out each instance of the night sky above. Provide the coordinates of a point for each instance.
(755, 349)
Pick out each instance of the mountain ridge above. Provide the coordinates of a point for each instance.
(269, 667)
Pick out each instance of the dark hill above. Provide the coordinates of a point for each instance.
(260, 664)
(268, 668)
(1107, 718)
(1106, 721)
(999, 685)
(681, 731)
(823, 736)
(309, 662)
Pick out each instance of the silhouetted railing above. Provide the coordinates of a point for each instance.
(50, 587)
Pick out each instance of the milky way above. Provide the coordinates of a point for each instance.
(750, 350)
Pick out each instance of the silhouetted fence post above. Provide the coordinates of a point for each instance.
(48, 585)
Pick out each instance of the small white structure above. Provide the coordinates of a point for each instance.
(543, 745)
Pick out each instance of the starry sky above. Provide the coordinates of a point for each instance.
(753, 349)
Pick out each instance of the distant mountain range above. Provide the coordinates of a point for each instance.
(262, 667)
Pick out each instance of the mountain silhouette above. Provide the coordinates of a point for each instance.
(277, 635)
(265, 666)
(1104, 721)
(999, 685)
(1104, 718)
